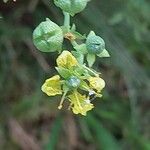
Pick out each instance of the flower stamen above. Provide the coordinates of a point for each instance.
(62, 101)
(69, 107)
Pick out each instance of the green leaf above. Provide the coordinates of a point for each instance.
(78, 56)
(79, 70)
(106, 141)
(91, 59)
(81, 48)
(104, 53)
(65, 73)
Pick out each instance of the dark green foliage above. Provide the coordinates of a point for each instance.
(55, 132)
(120, 119)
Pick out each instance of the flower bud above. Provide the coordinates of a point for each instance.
(48, 36)
(71, 6)
(94, 44)
(73, 82)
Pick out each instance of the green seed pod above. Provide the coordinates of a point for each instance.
(73, 82)
(71, 6)
(48, 36)
(94, 44)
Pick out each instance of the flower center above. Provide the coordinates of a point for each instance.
(73, 82)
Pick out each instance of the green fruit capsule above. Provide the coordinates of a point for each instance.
(73, 82)
(94, 44)
(48, 36)
(71, 6)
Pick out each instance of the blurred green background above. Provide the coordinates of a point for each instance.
(29, 120)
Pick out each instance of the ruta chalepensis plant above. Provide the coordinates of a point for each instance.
(75, 81)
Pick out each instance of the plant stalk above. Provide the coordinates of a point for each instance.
(67, 20)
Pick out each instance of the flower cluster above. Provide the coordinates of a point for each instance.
(73, 79)
(76, 82)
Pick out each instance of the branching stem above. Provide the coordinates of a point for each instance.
(66, 20)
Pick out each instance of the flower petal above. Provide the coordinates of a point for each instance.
(66, 60)
(52, 86)
(80, 104)
(96, 83)
(84, 110)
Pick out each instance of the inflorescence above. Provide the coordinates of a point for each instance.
(75, 81)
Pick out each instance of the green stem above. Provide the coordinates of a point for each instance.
(91, 71)
(67, 20)
(74, 43)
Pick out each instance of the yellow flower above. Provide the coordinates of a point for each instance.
(83, 110)
(66, 60)
(96, 83)
(52, 86)
(80, 104)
